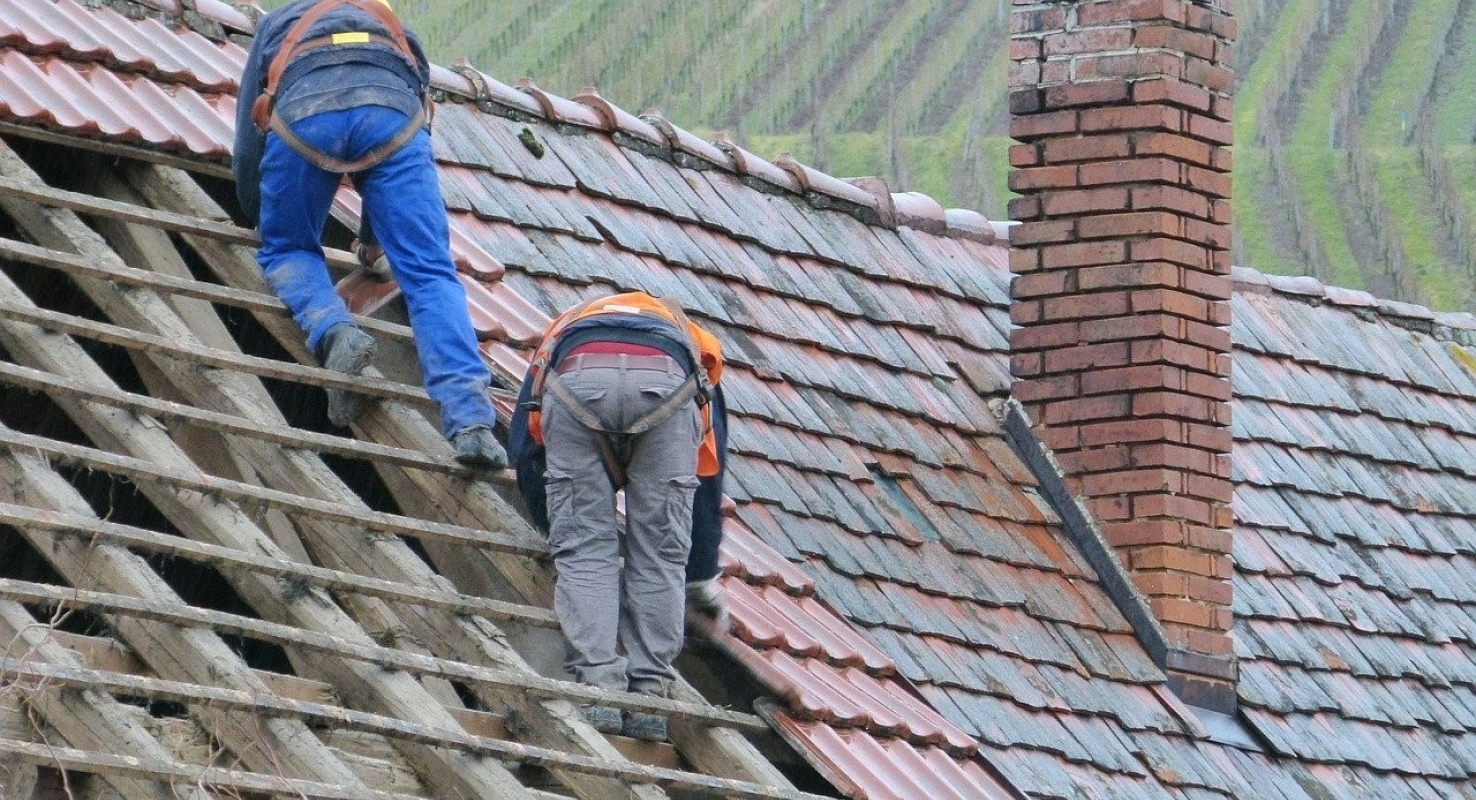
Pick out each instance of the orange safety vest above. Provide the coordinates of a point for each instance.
(704, 349)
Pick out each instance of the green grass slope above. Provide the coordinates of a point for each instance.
(1354, 128)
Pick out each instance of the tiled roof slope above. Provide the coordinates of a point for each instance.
(872, 480)
(1355, 504)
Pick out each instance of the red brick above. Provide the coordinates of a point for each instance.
(1088, 40)
(1045, 283)
(1110, 509)
(1135, 66)
(1182, 611)
(1171, 198)
(1210, 642)
(1129, 275)
(1167, 351)
(1176, 303)
(1024, 74)
(1061, 437)
(1175, 506)
(1211, 130)
(1097, 459)
(1220, 212)
(1024, 209)
(1220, 262)
(1153, 117)
(1085, 306)
(1211, 287)
(1168, 37)
(1210, 590)
(1162, 584)
(1045, 337)
(1174, 455)
(1174, 251)
(1086, 93)
(1206, 386)
(1117, 11)
(1086, 409)
(1025, 365)
(1033, 233)
(1052, 123)
(1217, 542)
(1038, 389)
(1215, 21)
(1127, 328)
(1025, 155)
(1026, 100)
(1084, 201)
(1135, 170)
(1224, 109)
(1144, 532)
(1086, 148)
(1208, 74)
(1024, 259)
(1140, 223)
(1081, 254)
(1131, 379)
(1208, 437)
(1210, 234)
(1129, 432)
(1173, 145)
(1133, 482)
(1025, 312)
(1049, 177)
(1085, 357)
(1207, 488)
(1170, 404)
(1174, 559)
(1025, 49)
(1054, 73)
(1211, 336)
(1173, 91)
(1037, 20)
(1214, 184)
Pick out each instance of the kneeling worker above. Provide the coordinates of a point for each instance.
(623, 393)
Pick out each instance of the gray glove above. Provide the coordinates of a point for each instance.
(706, 597)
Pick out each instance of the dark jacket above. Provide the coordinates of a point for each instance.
(327, 79)
(528, 455)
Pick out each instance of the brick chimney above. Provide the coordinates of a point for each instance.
(1121, 350)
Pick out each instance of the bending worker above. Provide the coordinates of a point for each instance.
(623, 393)
(340, 87)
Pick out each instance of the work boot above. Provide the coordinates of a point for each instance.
(643, 726)
(345, 348)
(477, 448)
(602, 718)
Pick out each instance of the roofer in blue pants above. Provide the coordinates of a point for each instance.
(340, 87)
(623, 393)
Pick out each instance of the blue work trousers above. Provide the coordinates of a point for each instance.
(620, 595)
(402, 200)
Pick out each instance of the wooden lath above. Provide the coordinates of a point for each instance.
(475, 505)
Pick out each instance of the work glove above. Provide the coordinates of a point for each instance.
(706, 597)
(375, 262)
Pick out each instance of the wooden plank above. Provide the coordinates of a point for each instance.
(244, 299)
(117, 150)
(36, 673)
(195, 354)
(176, 477)
(285, 436)
(42, 520)
(186, 616)
(725, 752)
(83, 719)
(170, 771)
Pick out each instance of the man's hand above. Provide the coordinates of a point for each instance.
(706, 597)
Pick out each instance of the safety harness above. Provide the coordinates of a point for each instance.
(616, 446)
(264, 111)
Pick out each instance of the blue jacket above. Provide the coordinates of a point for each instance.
(326, 79)
(528, 455)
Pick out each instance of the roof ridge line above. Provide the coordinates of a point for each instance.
(1448, 326)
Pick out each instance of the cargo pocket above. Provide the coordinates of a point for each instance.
(677, 541)
(559, 491)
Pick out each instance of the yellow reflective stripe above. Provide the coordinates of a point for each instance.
(357, 37)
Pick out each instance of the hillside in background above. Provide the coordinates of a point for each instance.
(1355, 118)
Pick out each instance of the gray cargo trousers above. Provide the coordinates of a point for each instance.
(623, 627)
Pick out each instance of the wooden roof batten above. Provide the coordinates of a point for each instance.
(58, 233)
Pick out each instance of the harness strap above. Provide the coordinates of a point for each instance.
(264, 112)
(616, 455)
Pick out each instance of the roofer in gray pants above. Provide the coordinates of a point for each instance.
(619, 397)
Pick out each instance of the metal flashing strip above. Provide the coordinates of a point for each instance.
(1098, 553)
